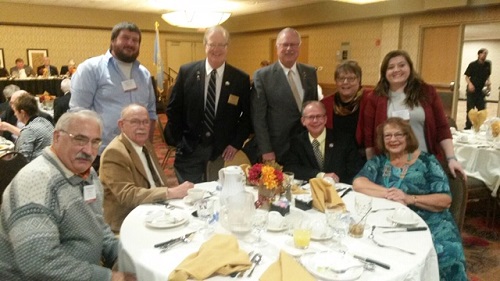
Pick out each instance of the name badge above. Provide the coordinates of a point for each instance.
(89, 193)
(233, 99)
(403, 114)
(129, 85)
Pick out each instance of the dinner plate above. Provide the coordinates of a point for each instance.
(328, 234)
(410, 221)
(166, 218)
(318, 265)
(282, 227)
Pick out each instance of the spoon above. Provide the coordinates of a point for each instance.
(367, 266)
(369, 210)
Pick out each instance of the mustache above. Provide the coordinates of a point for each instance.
(84, 156)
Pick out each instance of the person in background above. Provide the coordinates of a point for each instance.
(4, 72)
(130, 170)
(278, 94)
(7, 94)
(21, 70)
(110, 82)
(209, 110)
(401, 92)
(61, 104)
(405, 174)
(344, 106)
(69, 69)
(318, 152)
(46, 69)
(61, 194)
(36, 133)
(264, 63)
(477, 76)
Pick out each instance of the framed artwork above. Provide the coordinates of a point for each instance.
(35, 57)
(2, 58)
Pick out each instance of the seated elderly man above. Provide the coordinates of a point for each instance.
(52, 225)
(7, 93)
(46, 69)
(61, 104)
(130, 170)
(318, 153)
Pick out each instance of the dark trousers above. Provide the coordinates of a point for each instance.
(474, 99)
(193, 166)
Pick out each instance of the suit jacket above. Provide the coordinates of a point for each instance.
(4, 72)
(53, 70)
(185, 110)
(29, 71)
(61, 105)
(125, 180)
(275, 115)
(341, 157)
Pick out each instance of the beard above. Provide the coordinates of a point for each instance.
(122, 56)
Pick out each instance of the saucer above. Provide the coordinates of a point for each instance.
(166, 218)
(327, 235)
(410, 221)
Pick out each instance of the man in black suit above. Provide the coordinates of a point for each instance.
(209, 110)
(334, 157)
(46, 69)
(278, 93)
(61, 104)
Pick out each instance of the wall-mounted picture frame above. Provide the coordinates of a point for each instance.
(35, 57)
(2, 58)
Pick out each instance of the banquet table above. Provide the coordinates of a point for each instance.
(138, 255)
(5, 146)
(479, 155)
(36, 86)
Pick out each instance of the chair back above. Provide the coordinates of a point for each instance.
(458, 189)
(10, 164)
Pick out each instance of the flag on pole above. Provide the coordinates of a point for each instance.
(157, 60)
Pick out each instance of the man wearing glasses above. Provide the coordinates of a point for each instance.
(277, 96)
(130, 170)
(209, 110)
(52, 225)
(317, 153)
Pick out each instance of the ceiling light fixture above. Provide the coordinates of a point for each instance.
(195, 19)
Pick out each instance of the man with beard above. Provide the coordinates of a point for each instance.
(110, 82)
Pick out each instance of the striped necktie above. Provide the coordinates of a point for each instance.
(210, 103)
(317, 153)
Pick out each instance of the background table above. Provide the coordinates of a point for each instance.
(36, 86)
(138, 255)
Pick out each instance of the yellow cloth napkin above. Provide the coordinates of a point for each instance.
(286, 268)
(220, 255)
(495, 128)
(477, 118)
(297, 190)
(324, 195)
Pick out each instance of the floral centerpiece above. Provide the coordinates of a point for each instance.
(269, 178)
(47, 100)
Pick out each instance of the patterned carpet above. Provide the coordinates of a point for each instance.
(481, 242)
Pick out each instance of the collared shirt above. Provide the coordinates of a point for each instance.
(296, 78)
(144, 161)
(97, 85)
(218, 84)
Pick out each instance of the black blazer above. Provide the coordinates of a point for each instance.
(341, 157)
(53, 70)
(185, 110)
(61, 105)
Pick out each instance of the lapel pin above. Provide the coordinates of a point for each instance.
(330, 145)
(227, 83)
(198, 75)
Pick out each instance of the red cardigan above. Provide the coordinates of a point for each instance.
(436, 127)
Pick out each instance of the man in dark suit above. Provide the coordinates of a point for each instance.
(61, 104)
(334, 157)
(209, 112)
(277, 97)
(46, 69)
(21, 70)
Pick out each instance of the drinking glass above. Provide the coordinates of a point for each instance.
(259, 222)
(302, 235)
(338, 220)
(205, 211)
(362, 204)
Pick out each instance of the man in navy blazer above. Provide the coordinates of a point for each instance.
(50, 69)
(187, 126)
(340, 159)
(275, 108)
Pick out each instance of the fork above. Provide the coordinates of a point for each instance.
(367, 266)
(372, 237)
(256, 260)
(240, 275)
(184, 240)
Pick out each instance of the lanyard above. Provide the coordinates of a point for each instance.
(388, 172)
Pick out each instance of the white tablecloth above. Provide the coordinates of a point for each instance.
(138, 255)
(5, 146)
(479, 156)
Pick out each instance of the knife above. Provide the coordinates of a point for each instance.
(345, 192)
(421, 228)
(162, 244)
(381, 264)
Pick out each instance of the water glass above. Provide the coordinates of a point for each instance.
(338, 220)
(259, 223)
(205, 211)
(362, 204)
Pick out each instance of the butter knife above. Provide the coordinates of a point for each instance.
(162, 244)
(345, 192)
(381, 264)
(407, 229)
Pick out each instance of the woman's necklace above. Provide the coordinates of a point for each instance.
(388, 171)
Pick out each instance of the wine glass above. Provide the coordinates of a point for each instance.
(338, 220)
(259, 222)
(205, 211)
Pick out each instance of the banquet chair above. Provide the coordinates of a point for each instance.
(170, 148)
(458, 206)
(213, 167)
(10, 164)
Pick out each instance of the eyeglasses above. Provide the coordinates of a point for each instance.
(289, 45)
(348, 79)
(137, 122)
(398, 136)
(314, 117)
(82, 140)
(219, 46)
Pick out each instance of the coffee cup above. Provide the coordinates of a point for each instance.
(275, 220)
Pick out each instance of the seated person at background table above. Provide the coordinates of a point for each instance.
(52, 225)
(21, 70)
(10, 125)
(37, 131)
(415, 178)
(46, 69)
(69, 69)
(4, 72)
(7, 94)
(333, 156)
(61, 104)
(130, 177)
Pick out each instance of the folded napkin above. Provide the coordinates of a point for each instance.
(220, 255)
(495, 128)
(477, 118)
(297, 190)
(286, 268)
(324, 195)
